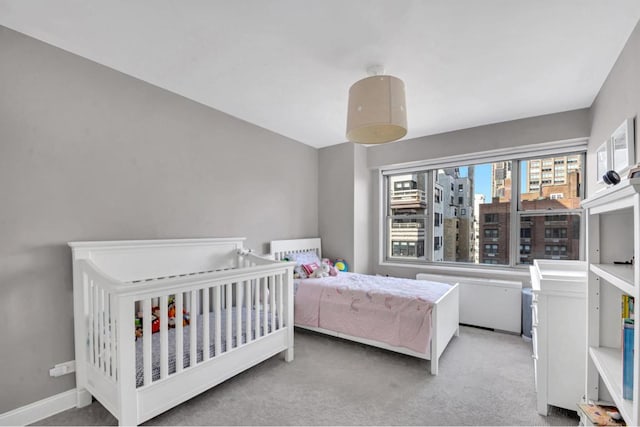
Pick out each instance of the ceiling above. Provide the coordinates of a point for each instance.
(287, 65)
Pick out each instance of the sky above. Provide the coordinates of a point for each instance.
(482, 178)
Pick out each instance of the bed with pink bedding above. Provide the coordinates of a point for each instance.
(413, 317)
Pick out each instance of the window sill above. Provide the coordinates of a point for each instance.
(520, 272)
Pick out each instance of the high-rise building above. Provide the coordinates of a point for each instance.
(478, 199)
(549, 171)
(552, 236)
(501, 180)
(408, 205)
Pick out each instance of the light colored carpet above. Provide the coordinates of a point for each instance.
(486, 378)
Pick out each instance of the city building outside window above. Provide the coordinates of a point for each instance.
(476, 227)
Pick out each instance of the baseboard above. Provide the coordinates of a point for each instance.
(39, 410)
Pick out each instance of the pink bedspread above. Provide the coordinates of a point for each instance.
(388, 309)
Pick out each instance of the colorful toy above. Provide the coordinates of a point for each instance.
(341, 265)
(155, 318)
(172, 316)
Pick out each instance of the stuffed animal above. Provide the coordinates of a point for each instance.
(322, 271)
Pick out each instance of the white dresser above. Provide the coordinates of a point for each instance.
(559, 332)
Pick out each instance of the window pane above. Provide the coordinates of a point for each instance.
(493, 206)
(549, 236)
(407, 216)
(551, 182)
(481, 201)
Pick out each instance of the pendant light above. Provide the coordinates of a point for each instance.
(377, 109)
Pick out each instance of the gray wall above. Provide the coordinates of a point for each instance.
(618, 99)
(87, 153)
(533, 130)
(336, 201)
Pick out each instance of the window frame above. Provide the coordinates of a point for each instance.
(576, 148)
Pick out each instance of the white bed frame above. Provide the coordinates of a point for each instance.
(444, 317)
(114, 280)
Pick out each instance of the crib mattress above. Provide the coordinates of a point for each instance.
(155, 343)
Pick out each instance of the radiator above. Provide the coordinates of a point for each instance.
(489, 303)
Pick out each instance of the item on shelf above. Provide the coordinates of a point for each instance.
(611, 177)
(628, 304)
(627, 360)
(630, 262)
(634, 172)
(601, 415)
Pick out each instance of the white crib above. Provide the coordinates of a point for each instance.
(240, 307)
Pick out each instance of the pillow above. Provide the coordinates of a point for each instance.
(307, 257)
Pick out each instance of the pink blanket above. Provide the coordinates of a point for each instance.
(387, 309)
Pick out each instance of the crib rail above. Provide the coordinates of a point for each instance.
(185, 321)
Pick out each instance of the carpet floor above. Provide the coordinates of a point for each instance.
(485, 378)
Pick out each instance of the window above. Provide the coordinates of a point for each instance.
(491, 232)
(491, 218)
(546, 212)
(555, 233)
(491, 249)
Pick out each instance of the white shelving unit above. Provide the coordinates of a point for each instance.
(613, 234)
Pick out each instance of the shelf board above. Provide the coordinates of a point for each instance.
(608, 362)
(613, 198)
(619, 275)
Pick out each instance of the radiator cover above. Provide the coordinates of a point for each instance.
(489, 303)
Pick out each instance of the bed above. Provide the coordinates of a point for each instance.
(159, 321)
(440, 300)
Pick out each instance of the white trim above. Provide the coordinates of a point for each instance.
(473, 270)
(522, 152)
(39, 410)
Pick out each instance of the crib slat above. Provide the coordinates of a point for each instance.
(280, 301)
(89, 305)
(218, 328)
(106, 335)
(229, 300)
(256, 307)
(179, 333)
(112, 335)
(164, 337)
(146, 339)
(239, 292)
(94, 296)
(272, 301)
(265, 302)
(114, 341)
(247, 298)
(100, 298)
(205, 325)
(193, 329)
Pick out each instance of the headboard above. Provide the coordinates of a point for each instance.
(279, 248)
(128, 260)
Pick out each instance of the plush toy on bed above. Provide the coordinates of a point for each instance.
(322, 271)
